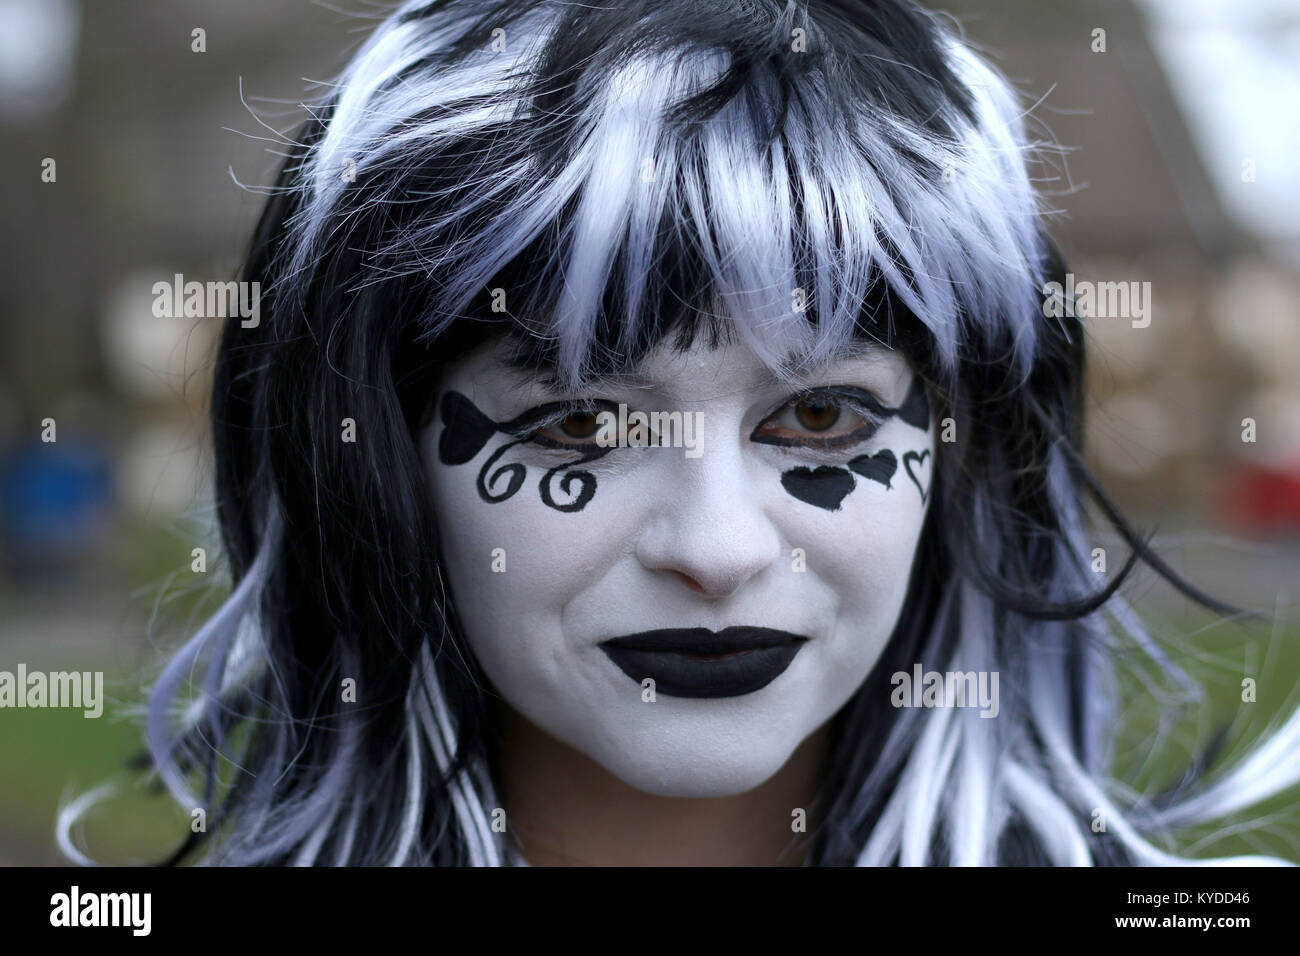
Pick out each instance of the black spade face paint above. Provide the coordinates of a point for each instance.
(466, 430)
(826, 486)
(915, 410)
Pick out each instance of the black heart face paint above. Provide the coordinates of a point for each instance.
(466, 430)
(826, 486)
(878, 467)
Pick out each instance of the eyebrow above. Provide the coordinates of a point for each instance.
(548, 378)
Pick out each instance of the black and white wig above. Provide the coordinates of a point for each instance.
(637, 172)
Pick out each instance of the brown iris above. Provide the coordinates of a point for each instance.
(826, 419)
(579, 424)
(817, 415)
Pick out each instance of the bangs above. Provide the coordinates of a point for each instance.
(604, 179)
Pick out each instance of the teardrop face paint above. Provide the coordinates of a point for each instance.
(685, 621)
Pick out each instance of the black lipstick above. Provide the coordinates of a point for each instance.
(697, 662)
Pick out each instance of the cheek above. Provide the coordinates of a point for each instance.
(872, 555)
(490, 549)
(864, 549)
(860, 557)
(508, 599)
(515, 565)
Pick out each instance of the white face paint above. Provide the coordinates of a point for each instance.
(676, 540)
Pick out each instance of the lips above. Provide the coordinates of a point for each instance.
(697, 662)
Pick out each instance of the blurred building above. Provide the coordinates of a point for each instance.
(1179, 125)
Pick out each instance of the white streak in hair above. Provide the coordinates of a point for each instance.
(414, 807)
(441, 734)
(1269, 769)
(311, 848)
(922, 786)
(71, 815)
(217, 633)
(1048, 815)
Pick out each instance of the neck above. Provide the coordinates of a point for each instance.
(564, 809)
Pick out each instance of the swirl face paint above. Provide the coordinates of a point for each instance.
(686, 622)
(466, 430)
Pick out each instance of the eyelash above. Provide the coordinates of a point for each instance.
(537, 420)
(858, 401)
(844, 398)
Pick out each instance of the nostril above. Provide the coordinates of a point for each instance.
(689, 581)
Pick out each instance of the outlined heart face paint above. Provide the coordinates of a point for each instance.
(917, 465)
(649, 613)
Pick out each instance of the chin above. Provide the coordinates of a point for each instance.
(697, 772)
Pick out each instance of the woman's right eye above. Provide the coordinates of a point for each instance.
(570, 426)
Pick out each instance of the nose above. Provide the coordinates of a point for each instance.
(709, 530)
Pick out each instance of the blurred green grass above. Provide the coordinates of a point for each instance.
(57, 753)
(1160, 740)
(53, 755)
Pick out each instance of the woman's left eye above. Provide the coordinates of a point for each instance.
(576, 428)
(818, 420)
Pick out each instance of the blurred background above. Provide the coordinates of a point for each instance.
(127, 136)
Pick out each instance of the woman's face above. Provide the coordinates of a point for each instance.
(688, 605)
